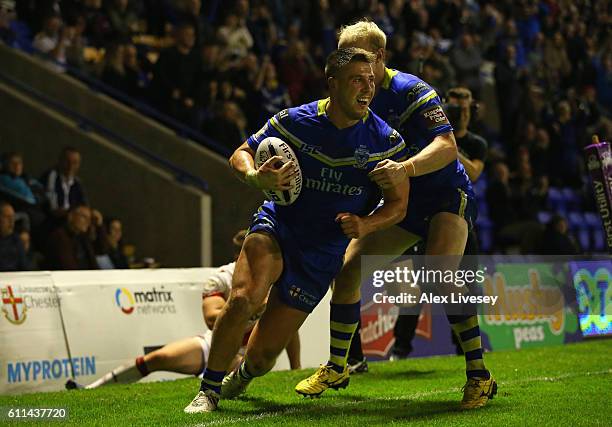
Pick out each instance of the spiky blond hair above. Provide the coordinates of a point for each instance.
(361, 30)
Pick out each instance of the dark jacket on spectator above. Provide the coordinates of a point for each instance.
(12, 254)
(67, 251)
(58, 197)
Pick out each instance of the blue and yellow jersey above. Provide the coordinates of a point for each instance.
(335, 165)
(411, 106)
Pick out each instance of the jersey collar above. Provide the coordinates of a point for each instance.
(322, 105)
(389, 74)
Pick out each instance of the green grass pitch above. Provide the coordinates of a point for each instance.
(564, 385)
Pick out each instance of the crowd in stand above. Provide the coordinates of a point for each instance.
(48, 224)
(223, 67)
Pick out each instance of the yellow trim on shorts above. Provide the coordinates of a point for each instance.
(463, 204)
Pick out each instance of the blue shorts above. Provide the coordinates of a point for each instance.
(423, 207)
(307, 272)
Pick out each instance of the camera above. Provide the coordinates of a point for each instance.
(453, 109)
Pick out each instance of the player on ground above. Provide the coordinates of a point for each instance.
(441, 207)
(299, 248)
(189, 355)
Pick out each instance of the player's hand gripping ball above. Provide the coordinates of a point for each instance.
(278, 172)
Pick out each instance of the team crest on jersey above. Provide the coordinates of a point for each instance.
(362, 155)
(393, 138)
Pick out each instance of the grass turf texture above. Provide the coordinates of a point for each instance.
(563, 385)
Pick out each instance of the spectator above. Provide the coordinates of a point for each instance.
(191, 14)
(98, 28)
(299, 72)
(12, 180)
(52, 40)
(556, 240)
(540, 154)
(565, 157)
(75, 34)
(62, 185)
(33, 258)
(556, 60)
(273, 95)
(112, 244)
(467, 59)
(26, 194)
(228, 125)
(70, 247)
(113, 73)
(236, 37)
(603, 79)
(123, 20)
(175, 81)
(263, 29)
(136, 78)
(12, 253)
(7, 17)
(509, 93)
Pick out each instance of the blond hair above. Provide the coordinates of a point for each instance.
(362, 30)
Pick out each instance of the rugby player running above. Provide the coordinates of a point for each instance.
(299, 248)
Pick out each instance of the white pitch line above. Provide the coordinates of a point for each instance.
(340, 405)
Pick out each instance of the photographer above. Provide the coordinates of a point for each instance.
(460, 108)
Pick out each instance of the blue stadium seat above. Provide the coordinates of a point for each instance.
(572, 198)
(580, 229)
(486, 240)
(544, 217)
(484, 227)
(597, 233)
(480, 186)
(483, 207)
(556, 201)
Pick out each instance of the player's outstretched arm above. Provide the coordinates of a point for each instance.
(268, 176)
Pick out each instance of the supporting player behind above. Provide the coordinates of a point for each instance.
(189, 355)
(441, 207)
(299, 248)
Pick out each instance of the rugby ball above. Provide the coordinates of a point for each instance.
(271, 147)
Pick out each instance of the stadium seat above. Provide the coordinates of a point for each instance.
(556, 201)
(580, 229)
(484, 228)
(572, 198)
(544, 217)
(480, 186)
(596, 230)
(483, 207)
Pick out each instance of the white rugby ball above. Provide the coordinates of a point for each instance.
(271, 147)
